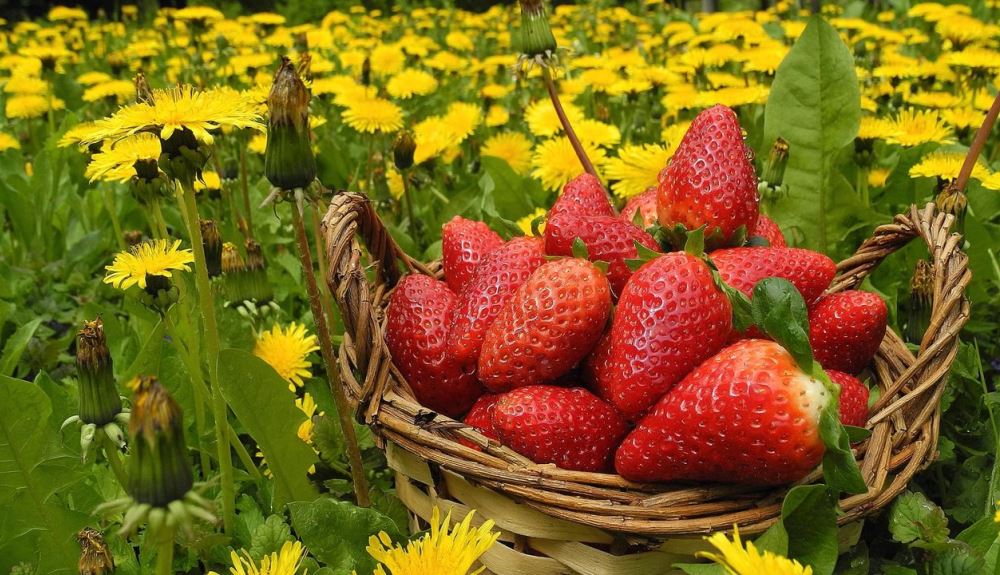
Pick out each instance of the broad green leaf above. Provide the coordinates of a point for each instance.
(809, 516)
(513, 195)
(957, 559)
(269, 536)
(260, 399)
(914, 519)
(701, 568)
(815, 105)
(779, 310)
(33, 470)
(336, 533)
(981, 535)
(15, 346)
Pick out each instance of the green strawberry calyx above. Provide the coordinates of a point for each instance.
(778, 309)
(580, 251)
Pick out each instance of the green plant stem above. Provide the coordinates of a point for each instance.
(186, 198)
(198, 387)
(114, 459)
(324, 290)
(245, 188)
(588, 166)
(863, 186)
(165, 552)
(116, 224)
(360, 483)
(408, 200)
(159, 223)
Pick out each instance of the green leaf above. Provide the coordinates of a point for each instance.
(337, 532)
(643, 255)
(269, 536)
(915, 520)
(840, 469)
(815, 105)
(34, 470)
(701, 568)
(957, 559)
(856, 434)
(809, 516)
(580, 249)
(738, 301)
(260, 399)
(15, 346)
(695, 242)
(779, 310)
(981, 535)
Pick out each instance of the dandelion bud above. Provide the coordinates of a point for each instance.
(95, 557)
(921, 301)
(288, 159)
(143, 93)
(212, 242)
(258, 288)
(133, 237)
(232, 260)
(953, 201)
(159, 470)
(234, 273)
(402, 151)
(99, 400)
(183, 157)
(534, 38)
(366, 71)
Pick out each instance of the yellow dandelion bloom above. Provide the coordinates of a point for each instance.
(945, 166)
(636, 168)
(497, 115)
(283, 562)
(872, 128)
(210, 180)
(371, 115)
(462, 119)
(307, 405)
(592, 132)
(877, 177)
(512, 147)
(992, 181)
(460, 41)
(60, 13)
(494, 91)
(446, 550)
(738, 559)
(8, 142)
(386, 59)
(118, 161)
(31, 106)
(120, 90)
(286, 350)
(202, 13)
(525, 222)
(24, 84)
(433, 137)
(395, 181)
(963, 117)
(152, 258)
(915, 127)
(555, 162)
(180, 108)
(933, 99)
(91, 78)
(409, 83)
(543, 121)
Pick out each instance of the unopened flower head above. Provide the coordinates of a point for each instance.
(95, 556)
(288, 161)
(99, 400)
(159, 469)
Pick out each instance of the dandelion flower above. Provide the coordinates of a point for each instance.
(120, 90)
(386, 59)
(873, 128)
(992, 182)
(124, 159)
(543, 121)
(307, 405)
(920, 127)
(597, 133)
(497, 115)
(372, 115)
(963, 117)
(395, 182)
(555, 162)
(526, 222)
(462, 119)
(512, 147)
(409, 83)
(446, 550)
(636, 168)
(8, 142)
(157, 258)
(286, 350)
(877, 177)
(283, 562)
(31, 106)
(944, 166)
(739, 560)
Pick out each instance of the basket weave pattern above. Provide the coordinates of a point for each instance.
(577, 522)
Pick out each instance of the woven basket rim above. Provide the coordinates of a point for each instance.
(904, 421)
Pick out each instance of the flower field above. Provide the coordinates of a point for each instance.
(178, 340)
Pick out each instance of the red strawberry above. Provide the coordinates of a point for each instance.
(710, 180)
(596, 369)
(552, 322)
(416, 333)
(584, 196)
(464, 243)
(645, 205)
(810, 272)
(853, 398)
(496, 279)
(480, 416)
(846, 328)
(607, 238)
(569, 427)
(747, 415)
(669, 319)
(767, 229)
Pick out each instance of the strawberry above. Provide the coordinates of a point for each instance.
(584, 196)
(595, 368)
(416, 332)
(569, 427)
(767, 229)
(853, 398)
(846, 328)
(464, 243)
(480, 417)
(710, 181)
(607, 238)
(749, 415)
(552, 322)
(670, 317)
(810, 272)
(494, 282)
(645, 205)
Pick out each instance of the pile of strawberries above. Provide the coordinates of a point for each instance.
(572, 350)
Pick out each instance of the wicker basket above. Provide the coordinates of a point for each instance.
(555, 521)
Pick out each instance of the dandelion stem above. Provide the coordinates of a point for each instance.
(116, 224)
(165, 552)
(360, 483)
(567, 127)
(198, 387)
(160, 225)
(976, 148)
(324, 290)
(408, 200)
(186, 197)
(245, 188)
(113, 456)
